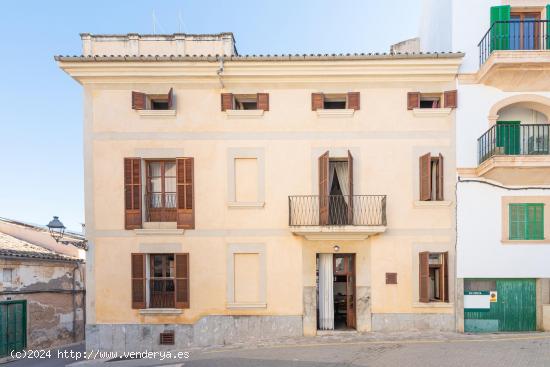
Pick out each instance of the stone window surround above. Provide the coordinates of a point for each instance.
(245, 248)
(506, 200)
(234, 153)
(431, 247)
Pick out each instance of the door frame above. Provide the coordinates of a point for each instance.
(351, 284)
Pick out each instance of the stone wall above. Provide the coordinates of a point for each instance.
(413, 322)
(208, 331)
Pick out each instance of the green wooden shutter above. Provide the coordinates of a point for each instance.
(508, 136)
(500, 32)
(526, 221)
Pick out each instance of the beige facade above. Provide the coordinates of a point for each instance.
(244, 258)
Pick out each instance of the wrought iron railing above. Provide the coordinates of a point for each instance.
(337, 210)
(161, 293)
(160, 207)
(514, 139)
(514, 35)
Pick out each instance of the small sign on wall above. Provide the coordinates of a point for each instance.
(477, 300)
(493, 297)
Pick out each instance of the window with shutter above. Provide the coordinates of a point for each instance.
(439, 185)
(500, 31)
(138, 281)
(434, 277)
(132, 193)
(142, 101)
(185, 193)
(182, 280)
(526, 221)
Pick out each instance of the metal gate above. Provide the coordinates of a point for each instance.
(13, 326)
(510, 305)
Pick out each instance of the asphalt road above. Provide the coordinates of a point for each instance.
(522, 350)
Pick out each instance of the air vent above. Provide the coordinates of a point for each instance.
(167, 338)
(391, 278)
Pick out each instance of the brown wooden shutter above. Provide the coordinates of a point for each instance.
(263, 101)
(170, 98)
(425, 177)
(350, 183)
(354, 102)
(413, 100)
(185, 193)
(317, 101)
(227, 101)
(445, 272)
(132, 193)
(182, 280)
(450, 99)
(323, 188)
(138, 100)
(424, 273)
(439, 189)
(138, 281)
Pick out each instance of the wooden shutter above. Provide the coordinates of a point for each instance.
(440, 188)
(317, 101)
(170, 98)
(182, 280)
(500, 32)
(445, 272)
(450, 99)
(138, 100)
(425, 173)
(262, 100)
(138, 281)
(350, 183)
(323, 188)
(354, 100)
(424, 273)
(413, 100)
(132, 193)
(185, 193)
(227, 101)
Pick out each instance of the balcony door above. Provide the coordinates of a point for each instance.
(161, 191)
(335, 190)
(525, 32)
(508, 137)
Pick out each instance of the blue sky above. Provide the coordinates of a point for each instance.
(41, 119)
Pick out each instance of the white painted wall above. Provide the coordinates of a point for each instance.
(480, 252)
(475, 102)
(525, 115)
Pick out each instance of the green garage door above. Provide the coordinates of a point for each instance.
(13, 326)
(513, 307)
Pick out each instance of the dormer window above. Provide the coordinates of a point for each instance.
(152, 102)
(417, 100)
(335, 101)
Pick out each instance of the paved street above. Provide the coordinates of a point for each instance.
(373, 350)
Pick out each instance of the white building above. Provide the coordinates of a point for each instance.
(503, 161)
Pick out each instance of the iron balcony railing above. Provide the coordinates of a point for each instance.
(514, 139)
(160, 207)
(337, 210)
(161, 293)
(514, 35)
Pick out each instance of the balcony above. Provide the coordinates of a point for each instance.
(337, 217)
(511, 47)
(515, 154)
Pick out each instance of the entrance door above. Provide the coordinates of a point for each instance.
(344, 295)
(13, 326)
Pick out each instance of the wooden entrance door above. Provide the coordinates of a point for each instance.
(13, 326)
(344, 265)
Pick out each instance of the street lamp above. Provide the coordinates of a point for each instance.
(57, 231)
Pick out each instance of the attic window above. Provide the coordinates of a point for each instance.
(430, 101)
(245, 102)
(143, 101)
(335, 102)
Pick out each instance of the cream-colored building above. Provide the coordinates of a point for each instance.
(234, 197)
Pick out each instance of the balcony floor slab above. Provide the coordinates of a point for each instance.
(342, 233)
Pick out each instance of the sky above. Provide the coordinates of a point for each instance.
(41, 119)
